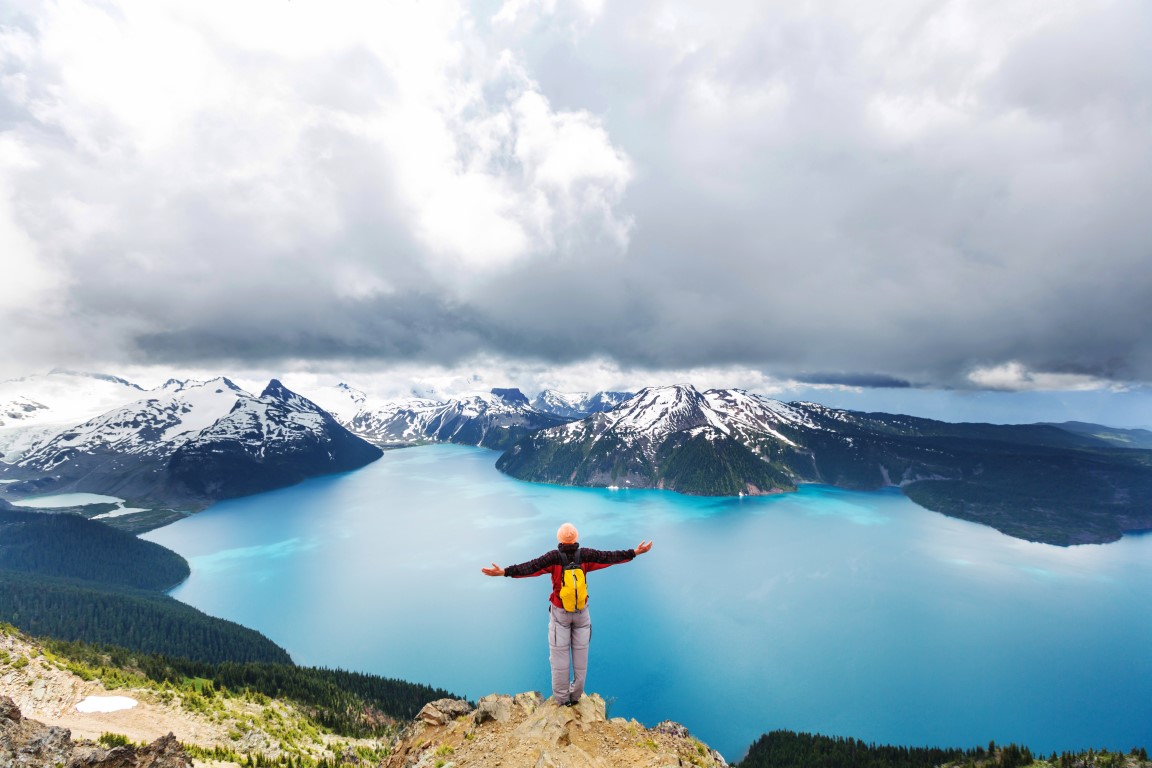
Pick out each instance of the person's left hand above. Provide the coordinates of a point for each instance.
(495, 570)
(644, 547)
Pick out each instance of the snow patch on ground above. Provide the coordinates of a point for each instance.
(105, 704)
(79, 500)
(66, 500)
(120, 512)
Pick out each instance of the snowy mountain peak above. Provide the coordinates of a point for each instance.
(658, 411)
(577, 405)
(276, 391)
(355, 395)
(220, 382)
(751, 413)
(552, 400)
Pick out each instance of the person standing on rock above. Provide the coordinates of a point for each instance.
(569, 631)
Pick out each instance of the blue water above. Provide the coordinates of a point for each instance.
(855, 614)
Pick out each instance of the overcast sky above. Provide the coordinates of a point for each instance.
(914, 192)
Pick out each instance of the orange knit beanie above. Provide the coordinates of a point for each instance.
(567, 534)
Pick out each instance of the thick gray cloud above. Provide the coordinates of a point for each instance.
(934, 194)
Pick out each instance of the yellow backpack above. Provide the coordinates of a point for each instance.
(573, 587)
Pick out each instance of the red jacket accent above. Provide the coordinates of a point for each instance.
(550, 562)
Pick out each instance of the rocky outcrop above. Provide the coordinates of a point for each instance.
(528, 731)
(165, 752)
(28, 743)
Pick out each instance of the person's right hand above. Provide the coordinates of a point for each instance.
(495, 570)
(644, 547)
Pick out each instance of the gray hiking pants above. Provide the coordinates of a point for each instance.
(568, 637)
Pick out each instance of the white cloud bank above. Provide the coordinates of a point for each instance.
(1015, 377)
(914, 192)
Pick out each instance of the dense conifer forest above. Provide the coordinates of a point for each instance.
(149, 622)
(69, 546)
(64, 576)
(787, 749)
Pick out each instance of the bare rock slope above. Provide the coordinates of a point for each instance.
(28, 743)
(526, 731)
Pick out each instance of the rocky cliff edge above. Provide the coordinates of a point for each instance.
(527, 731)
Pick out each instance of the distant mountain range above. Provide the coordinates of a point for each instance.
(185, 444)
(494, 419)
(1051, 483)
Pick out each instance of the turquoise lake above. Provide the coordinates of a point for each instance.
(828, 611)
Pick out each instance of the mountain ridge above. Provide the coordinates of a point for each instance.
(188, 443)
(1037, 482)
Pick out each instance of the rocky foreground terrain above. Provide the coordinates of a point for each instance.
(43, 723)
(41, 727)
(527, 731)
(28, 743)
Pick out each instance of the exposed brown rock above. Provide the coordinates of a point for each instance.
(443, 711)
(165, 752)
(528, 731)
(28, 743)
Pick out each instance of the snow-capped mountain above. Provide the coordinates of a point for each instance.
(673, 437)
(35, 408)
(153, 427)
(577, 405)
(494, 419)
(396, 423)
(270, 441)
(188, 443)
(1038, 482)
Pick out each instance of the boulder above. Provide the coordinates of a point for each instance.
(444, 711)
(493, 707)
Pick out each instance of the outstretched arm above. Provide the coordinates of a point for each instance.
(495, 570)
(644, 547)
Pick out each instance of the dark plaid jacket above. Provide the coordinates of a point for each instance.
(550, 562)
